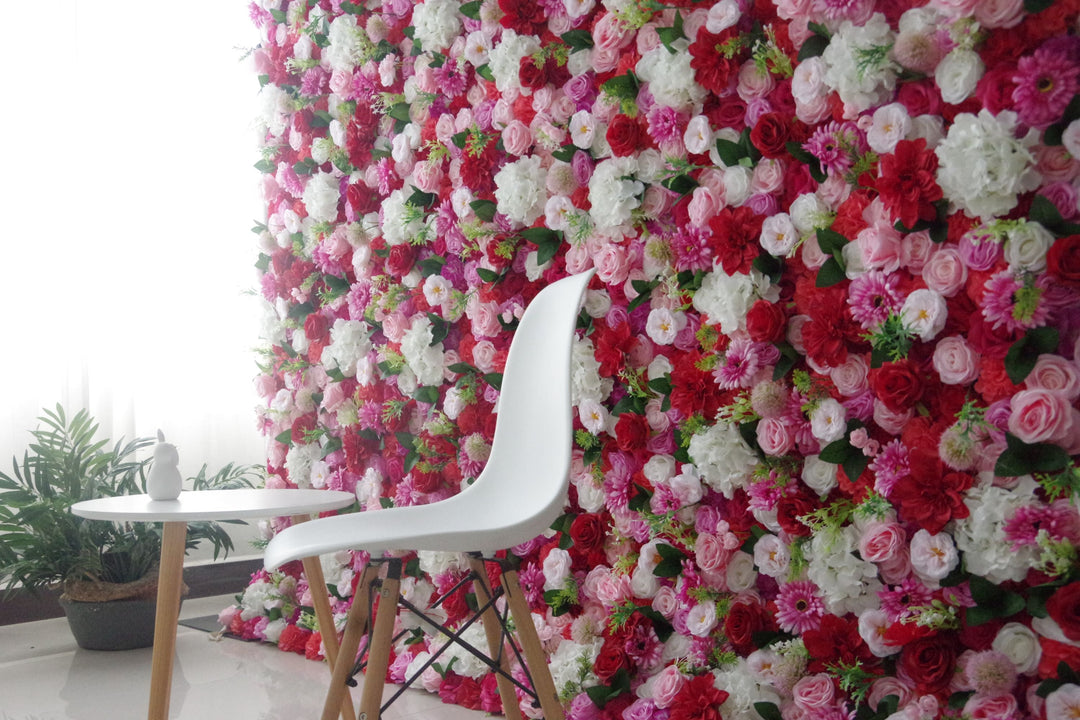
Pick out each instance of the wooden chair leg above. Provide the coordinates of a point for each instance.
(530, 644)
(325, 617)
(355, 628)
(381, 637)
(492, 628)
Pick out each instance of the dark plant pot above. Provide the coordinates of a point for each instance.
(114, 625)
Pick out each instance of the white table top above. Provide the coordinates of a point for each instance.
(213, 505)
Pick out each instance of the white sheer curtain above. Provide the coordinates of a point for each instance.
(127, 199)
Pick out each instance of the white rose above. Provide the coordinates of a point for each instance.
(737, 182)
(741, 575)
(1026, 246)
(1019, 644)
(819, 476)
(957, 75)
(659, 469)
(556, 569)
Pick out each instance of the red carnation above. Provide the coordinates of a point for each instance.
(294, 639)
(836, 642)
(908, 184)
(698, 700)
(735, 235)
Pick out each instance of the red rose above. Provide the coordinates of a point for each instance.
(765, 322)
(587, 531)
(771, 134)
(316, 326)
(523, 16)
(793, 506)
(531, 74)
(897, 385)
(744, 620)
(1064, 608)
(631, 432)
(611, 659)
(929, 662)
(698, 700)
(1063, 260)
(727, 112)
(624, 135)
(400, 260)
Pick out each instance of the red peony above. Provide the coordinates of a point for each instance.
(897, 385)
(929, 662)
(698, 700)
(771, 134)
(624, 135)
(1063, 260)
(908, 184)
(835, 642)
(1064, 608)
(930, 496)
(712, 69)
(734, 240)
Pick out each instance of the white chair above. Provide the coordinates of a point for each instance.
(520, 492)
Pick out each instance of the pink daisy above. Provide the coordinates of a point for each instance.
(1046, 82)
(873, 296)
(1059, 520)
(798, 607)
(835, 145)
(897, 602)
(451, 79)
(1015, 302)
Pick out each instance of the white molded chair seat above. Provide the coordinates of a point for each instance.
(520, 492)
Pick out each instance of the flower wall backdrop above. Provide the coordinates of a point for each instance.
(827, 374)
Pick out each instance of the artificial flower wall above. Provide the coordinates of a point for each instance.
(826, 375)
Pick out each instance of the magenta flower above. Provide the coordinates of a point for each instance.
(798, 607)
(1046, 82)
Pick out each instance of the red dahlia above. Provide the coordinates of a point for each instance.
(908, 184)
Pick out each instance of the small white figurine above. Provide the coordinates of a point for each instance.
(164, 481)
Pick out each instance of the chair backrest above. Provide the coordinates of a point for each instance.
(526, 476)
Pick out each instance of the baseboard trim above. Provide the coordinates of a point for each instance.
(203, 580)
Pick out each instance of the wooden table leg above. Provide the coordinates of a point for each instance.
(325, 617)
(170, 584)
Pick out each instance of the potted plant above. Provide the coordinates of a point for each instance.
(101, 568)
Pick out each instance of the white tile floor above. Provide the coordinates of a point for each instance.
(45, 676)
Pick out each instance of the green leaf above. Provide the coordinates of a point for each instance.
(484, 209)
(789, 356)
(623, 87)
(486, 275)
(419, 198)
(1036, 600)
(669, 35)
(471, 10)
(427, 394)
(1036, 6)
(854, 464)
(661, 385)
(831, 273)
(831, 242)
(730, 152)
(439, 328)
(285, 438)
(547, 242)
(431, 265)
(1020, 458)
(400, 111)
(278, 15)
(681, 184)
(1025, 352)
(565, 153)
(958, 700)
(629, 403)
(459, 139)
(484, 71)
(837, 451)
(771, 267)
(266, 166)
(494, 380)
(578, 39)
(812, 47)
(461, 368)
(351, 8)
(768, 711)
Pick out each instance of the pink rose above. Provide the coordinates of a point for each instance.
(850, 377)
(774, 438)
(394, 326)
(611, 264)
(484, 356)
(340, 82)
(604, 59)
(710, 553)
(655, 201)
(577, 258)
(880, 247)
(428, 176)
(768, 177)
(980, 707)
(665, 602)
(881, 541)
(1055, 163)
(999, 14)
(666, 685)
(703, 205)
(812, 256)
(945, 271)
(956, 362)
(889, 421)
(1053, 372)
(648, 39)
(485, 319)
(562, 107)
(813, 692)
(915, 250)
(1040, 415)
(502, 113)
(609, 33)
(516, 138)
(889, 685)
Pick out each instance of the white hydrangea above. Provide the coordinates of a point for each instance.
(399, 220)
(520, 189)
(465, 663)
(349, 342)
(983, 166)
(275, 109)
(723, 458)
(848, 583)
(423, 358)
(671, 79)
(726, 299)
(433, 562)
(585, 382)
(614, 192)
(504, 60)
(981, 535)
(321, 195)
(437, 23)
(571, 666)
(298, 462)
(859, 66)
(744, 689)
(347, 41)
(258, 597)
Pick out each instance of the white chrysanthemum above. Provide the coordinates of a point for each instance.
(423, 358)
(723, 458)
(671, 79)
(504, 60)
(437, 23)
(847, 582)
(321, 195)
(349, 342)
(744, 690)
(924, 312)
(614, 192)
(726, 299)
(346, 43)
(400, 220)
(981, 535)
(520, 190)
(298, 462)
(571, 666)
(983, 166)
(859, 66)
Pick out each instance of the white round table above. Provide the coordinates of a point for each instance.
(212, 505)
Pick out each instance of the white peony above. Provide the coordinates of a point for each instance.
(321, 195)
(349, 342)
(778, 235)
(614, 192)
(924, 312)
(437, 24)
(981, 535)
(671, 79)
(889, 126)
(726, 299)
(859, 66)
(520, 190)
(847, 582)
(423, 358)
(983, 166)
(723, 458)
